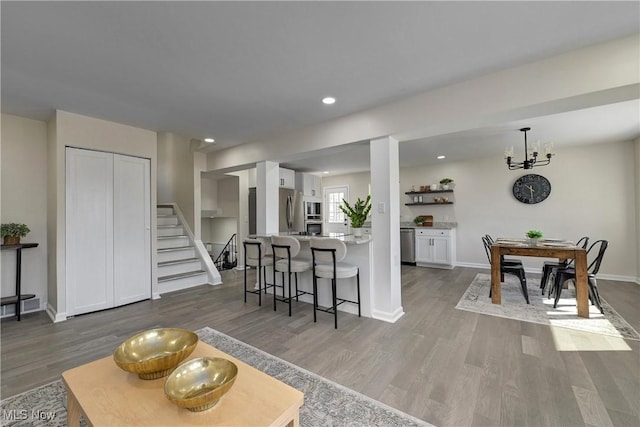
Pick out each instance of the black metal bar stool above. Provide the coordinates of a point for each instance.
(255, 256)
(326, 255)
(285, 250)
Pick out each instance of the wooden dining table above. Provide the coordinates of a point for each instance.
(543, 249)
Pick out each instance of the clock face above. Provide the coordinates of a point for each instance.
(531, 189)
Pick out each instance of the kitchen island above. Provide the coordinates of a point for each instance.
(359, 253)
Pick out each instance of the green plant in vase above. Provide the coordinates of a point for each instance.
(533, 236)
(357, 213)
(446, 183)
(11, 233)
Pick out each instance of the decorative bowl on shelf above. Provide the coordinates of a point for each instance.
(155, 353)
(198, 384)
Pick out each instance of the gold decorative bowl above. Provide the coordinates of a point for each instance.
(154, 353)
(198, 384)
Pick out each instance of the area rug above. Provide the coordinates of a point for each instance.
(325, 403)
(540, 310)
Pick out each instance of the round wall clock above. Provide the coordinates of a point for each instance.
(531, 189)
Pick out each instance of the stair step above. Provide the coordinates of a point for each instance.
(176, 248)
(181, 275)
(178, 261)
(171, 237)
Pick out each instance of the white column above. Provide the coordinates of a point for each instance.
(267, 197)
(385, 282)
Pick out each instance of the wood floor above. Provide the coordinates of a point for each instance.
(446, 366)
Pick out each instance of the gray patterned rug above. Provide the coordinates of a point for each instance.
(540, 309)
(325, 403)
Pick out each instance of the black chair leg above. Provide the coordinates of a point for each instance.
(557, 288)
(259, 271)
(274, 288)
(315, 297)
(335, 304)
(545, 277)
(358, 282)
(296, 286)
(593, 289)
(523, 284)
(289, 294)
(245, 281)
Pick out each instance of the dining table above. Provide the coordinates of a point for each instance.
(544, 248)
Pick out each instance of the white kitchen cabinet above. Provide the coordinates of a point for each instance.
(435, 248)
(287, 178)
(309, 184)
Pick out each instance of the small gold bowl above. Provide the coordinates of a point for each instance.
(154, 353)
(198, 384)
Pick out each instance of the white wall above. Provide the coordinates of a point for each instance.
(209, 188)
(358, 184)
(23, 149)
(176, 174)
(593, 193)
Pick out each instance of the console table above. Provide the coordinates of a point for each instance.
(15, 299)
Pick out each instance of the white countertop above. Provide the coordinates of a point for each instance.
(348, 239)
(437, 225)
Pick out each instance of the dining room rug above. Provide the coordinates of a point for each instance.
(540, 310)
(326, 403)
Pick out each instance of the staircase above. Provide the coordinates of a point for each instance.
(178, 265)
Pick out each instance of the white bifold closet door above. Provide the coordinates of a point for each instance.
(108, 230)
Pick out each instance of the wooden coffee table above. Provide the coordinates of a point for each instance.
(105, 395)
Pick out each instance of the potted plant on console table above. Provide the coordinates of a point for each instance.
(357, 213)
(11, 233)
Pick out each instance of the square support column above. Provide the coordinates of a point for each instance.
(267, 197)
(385, 229)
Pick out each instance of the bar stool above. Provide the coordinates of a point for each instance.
(326, 255)
(255, 256)
(285, 250)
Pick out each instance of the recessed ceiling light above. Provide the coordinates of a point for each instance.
(441, 157)
(209, 140)
(328, 100)
(325, 172)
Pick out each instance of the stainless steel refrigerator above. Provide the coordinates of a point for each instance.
(290, 208)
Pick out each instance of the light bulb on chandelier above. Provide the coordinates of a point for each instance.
(530, 155)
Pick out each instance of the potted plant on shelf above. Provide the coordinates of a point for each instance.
(11, 233)
(446, 183)
(357, 213)
(419, 220)
(533, 236)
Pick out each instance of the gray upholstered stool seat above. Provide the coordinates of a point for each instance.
(343, 270)
(297, 265)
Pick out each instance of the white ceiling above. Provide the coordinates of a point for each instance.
(238, 71)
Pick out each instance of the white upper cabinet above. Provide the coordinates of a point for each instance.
(287, 178)
(308, 184)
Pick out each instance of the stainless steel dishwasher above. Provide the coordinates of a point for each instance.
(408, 246)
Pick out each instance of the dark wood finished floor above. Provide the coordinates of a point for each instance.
(446, 366)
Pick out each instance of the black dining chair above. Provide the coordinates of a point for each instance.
(514, 267)
(549, 267)
(595, 251)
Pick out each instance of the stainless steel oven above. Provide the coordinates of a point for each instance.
(312, 211)
(313, 228)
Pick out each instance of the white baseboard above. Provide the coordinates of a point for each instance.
(54, 315)
(386, 316)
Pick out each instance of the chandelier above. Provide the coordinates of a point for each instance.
(530, 155)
